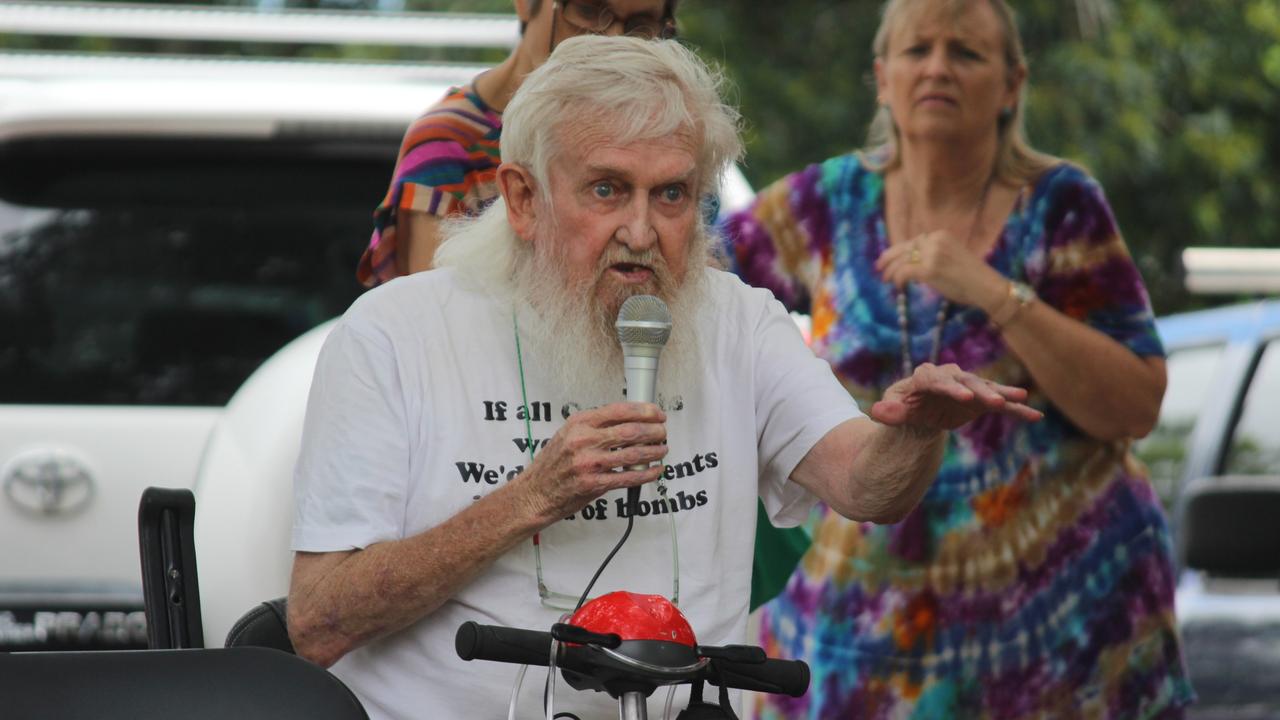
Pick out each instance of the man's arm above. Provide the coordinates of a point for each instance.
(341, 600)
(878, 469)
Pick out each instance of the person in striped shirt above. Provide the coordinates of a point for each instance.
(449, 155)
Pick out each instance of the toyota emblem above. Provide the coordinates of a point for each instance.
(48, 483)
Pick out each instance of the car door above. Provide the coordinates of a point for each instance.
(1229, 536)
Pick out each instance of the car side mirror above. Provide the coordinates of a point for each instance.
(1230, 526)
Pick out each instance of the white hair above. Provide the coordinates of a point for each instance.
(484, 249)
(645, 89)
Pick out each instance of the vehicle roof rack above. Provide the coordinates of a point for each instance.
(1232, 271)
(194, 22)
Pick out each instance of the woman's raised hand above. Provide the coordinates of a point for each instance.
(938, 260)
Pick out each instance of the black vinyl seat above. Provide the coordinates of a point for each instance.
(265, 625)
(241, 683)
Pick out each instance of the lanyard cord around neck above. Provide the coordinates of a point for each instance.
(524, 392)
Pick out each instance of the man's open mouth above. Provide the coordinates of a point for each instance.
(632, 272)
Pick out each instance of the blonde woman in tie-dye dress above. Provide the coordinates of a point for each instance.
(1035, 579)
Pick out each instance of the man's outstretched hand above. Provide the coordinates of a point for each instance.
(944, 397)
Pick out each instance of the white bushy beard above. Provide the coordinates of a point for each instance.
(567, 328)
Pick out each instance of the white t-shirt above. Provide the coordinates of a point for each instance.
(416, 411)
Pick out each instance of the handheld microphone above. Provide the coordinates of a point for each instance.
(644, 325)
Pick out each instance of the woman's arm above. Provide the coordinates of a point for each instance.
(1102, 385)
(421, 236)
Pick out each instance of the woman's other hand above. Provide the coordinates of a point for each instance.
(938, 260)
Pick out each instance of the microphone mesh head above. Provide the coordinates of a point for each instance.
(643, 320)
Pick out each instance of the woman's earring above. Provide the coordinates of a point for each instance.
(1006, 114)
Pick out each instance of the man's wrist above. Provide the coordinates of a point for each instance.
(533, 512)
(921, 434)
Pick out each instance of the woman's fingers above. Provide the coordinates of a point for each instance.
(909, 261)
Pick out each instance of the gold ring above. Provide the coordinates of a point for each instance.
(914, 257)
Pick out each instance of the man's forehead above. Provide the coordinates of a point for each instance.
(597, 145)
(657, 160)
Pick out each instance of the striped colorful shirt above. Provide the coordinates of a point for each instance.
(1035, 579)
(447, 164)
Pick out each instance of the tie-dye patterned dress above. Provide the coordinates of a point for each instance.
(1035, 579)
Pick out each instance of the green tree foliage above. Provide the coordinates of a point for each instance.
(1172, 104)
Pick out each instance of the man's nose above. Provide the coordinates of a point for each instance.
(637, 231)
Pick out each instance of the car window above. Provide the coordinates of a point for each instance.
(1164, 450)
(1255, 440)
(165, 272)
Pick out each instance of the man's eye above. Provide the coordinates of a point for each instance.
(673, 193)
(602, 190)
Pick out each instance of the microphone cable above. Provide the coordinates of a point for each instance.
(633, 494)
(631, 521)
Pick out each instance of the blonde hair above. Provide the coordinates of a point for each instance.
(1016, 161)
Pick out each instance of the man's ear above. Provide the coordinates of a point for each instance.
(520, 194)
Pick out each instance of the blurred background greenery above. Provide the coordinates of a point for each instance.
(1173, 104)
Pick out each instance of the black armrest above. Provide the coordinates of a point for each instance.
(266, 625)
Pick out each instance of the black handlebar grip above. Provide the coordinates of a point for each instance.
(502, 644)
(784, 677)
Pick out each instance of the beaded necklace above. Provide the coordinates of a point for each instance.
(941, 319)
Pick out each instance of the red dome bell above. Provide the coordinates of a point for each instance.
(632, 616)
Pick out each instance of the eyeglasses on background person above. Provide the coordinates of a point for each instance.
(597, 16)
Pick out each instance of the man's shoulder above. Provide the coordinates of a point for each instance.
(727, 284)
(728, 297)
(418, 301)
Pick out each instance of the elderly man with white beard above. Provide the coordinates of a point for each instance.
(467, 447)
